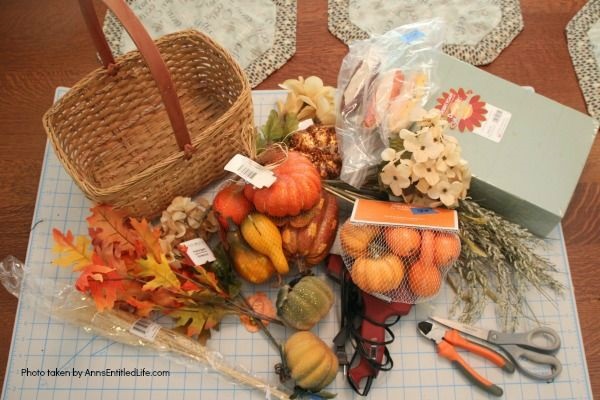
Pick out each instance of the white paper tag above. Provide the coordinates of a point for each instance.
(495, 124)
(198, 251)
(145, 328)
(250, 171)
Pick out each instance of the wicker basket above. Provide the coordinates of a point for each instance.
(135, 134)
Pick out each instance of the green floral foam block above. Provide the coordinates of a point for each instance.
(526, 151)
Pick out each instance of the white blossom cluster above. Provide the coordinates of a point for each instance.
(426, 168)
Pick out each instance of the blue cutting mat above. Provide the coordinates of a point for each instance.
(42, 344)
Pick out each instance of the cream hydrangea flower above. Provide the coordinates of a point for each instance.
(423, 147)
(428, 171)
(389, 154)
(447, 192)
(397, 177)
(449, 157)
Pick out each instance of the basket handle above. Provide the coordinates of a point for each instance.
(151, 56)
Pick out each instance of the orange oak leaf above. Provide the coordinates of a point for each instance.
(261, 304)
(165, 298)
(102, 283)
(72, 251)
(107, 226)
(207, 279)
(113, 258)
(190, 286)
(143, 307)
(148, 238)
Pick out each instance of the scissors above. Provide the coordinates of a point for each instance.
(537, 346)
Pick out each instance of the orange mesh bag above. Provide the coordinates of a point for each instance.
(405, 264)
(155, 123)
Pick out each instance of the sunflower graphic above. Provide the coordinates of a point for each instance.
(464, 110)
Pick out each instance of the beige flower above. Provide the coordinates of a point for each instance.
(389, 154)
(427, 171)
(449, 157)
(309, 99)
(423, 147)
(397, 177)
(447, 192)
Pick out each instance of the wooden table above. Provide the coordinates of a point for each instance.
(44, 44)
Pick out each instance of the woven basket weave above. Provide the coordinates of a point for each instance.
(114, 133)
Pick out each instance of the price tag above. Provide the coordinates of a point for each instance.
(250, 171)
(495, 125)
(198, 251)
(145, 328)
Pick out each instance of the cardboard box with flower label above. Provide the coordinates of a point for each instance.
(526, 151)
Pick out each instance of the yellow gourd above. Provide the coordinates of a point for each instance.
(263, 236)
(248, 263)
(312, 364)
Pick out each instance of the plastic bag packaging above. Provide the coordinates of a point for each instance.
(76, 308)
(404, 264)
(383, 84)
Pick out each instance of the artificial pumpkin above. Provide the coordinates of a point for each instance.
(312, 364)
(230, 202)
(377, 273)
(424, 279)
(248, 263)
(309, 244)
(297, 188)
(304, 302)
(356, 238)
(447, 249)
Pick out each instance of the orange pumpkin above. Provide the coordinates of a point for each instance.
(424, 280)
(376, 274)
(296, 189)
(308, 245)
(356, 238)
(427, 247)
(230, 202)
(447, 249)
(402, 241)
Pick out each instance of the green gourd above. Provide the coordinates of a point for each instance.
(304, 302)
(312, 364)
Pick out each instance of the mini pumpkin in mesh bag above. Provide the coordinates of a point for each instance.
(399, 264)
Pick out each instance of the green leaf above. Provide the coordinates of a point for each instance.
(277, 128)
(291, 124)
(223, 269)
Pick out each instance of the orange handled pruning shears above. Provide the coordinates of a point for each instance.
(446, 341)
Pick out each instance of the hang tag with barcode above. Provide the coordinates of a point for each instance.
(250, 171)
(198, 251)
(495, 124)
(145, 328)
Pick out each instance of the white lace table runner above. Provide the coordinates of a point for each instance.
(261, 36)
(477, 30)
(583, 36)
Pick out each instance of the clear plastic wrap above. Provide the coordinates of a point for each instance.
(76, 308)
(383, 84)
